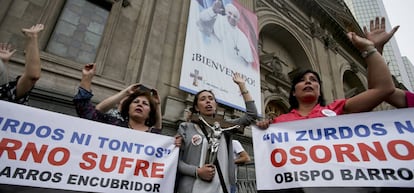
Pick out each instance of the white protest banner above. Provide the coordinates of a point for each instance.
(218, 45)
(39, 148)
(374, 149)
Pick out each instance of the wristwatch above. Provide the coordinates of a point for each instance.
(369, 52)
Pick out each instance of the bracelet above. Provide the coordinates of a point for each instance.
(369, 52)
(243, 92)
(196, 173)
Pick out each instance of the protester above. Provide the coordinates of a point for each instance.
(18, 90)
(195, 175)
(306, 97)
(307, 101)
(112, 105)
(380, 37)
(239, 154)
(139, 110)
(240, 157)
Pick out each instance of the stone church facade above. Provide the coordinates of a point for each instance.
(143, 41)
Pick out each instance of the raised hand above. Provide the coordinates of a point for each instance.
(377, 33)
(155, 96)
(88, 71)
(238, 79)
(32, 71)
(131, 89)
(6, 52)
(33, 31)
(362, 44)
(156, 99)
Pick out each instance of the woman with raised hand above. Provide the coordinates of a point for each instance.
(306, 97)
(195, 175)
(140, 109)
(18, 90)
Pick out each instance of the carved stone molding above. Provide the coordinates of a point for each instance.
(315, 30)
(330, 43)
(274, 66)
(354, 67)
(260, 3)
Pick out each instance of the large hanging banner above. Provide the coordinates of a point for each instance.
(39, 148)
(374, 149)
(221, 40)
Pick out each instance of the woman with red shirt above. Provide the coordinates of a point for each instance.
(306, 97)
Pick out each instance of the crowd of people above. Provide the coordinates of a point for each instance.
(138, 107)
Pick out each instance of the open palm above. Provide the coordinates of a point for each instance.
(33, 31)
(6, 52)
(377, 33)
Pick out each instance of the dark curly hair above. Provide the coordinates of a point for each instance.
(152, 114)
(293, 101)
